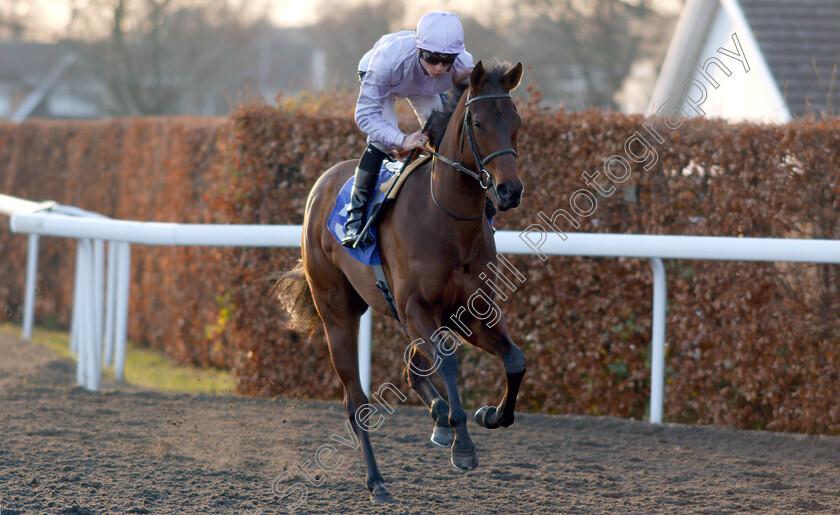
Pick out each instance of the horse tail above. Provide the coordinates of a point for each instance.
(293, 294)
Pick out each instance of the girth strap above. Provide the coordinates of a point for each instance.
(382, 284)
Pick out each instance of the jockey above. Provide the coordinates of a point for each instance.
(416, 65)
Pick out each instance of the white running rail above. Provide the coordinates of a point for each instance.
(9, 206)
(533, 240)
(90, 297)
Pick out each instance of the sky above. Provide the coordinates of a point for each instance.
(281, 12)
(295, 13)
(55, 13)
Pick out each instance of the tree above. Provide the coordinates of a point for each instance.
(591, 44)
(346, 32)
(165, 56)
(17, 19)
(580, 51)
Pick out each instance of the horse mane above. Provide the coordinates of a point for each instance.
(439, 120)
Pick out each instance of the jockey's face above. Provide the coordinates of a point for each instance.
(436, 64)
(435, 71)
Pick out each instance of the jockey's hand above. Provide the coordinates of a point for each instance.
(416, 140)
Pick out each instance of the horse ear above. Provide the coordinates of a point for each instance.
(512, 77)
(478, 76)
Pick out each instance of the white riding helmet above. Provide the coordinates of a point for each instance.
(440, 32)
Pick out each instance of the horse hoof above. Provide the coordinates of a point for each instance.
(381, 495)
(466, 459)
(483, 415)
(443, 436)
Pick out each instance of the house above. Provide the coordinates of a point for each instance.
(792, 51)
(45, 81)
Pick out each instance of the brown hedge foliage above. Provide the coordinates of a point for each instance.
(148, 169)
(750, 345)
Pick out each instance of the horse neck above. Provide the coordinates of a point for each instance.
(456, 191)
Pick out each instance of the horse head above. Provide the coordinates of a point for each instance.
(491, 123)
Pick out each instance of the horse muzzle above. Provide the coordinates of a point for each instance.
(509, 194)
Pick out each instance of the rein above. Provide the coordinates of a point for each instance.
(482, 176)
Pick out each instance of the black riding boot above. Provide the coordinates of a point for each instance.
(364, 184)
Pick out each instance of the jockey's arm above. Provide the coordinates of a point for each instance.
(374, 94)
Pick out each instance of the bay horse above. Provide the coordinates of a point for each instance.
(436, 246)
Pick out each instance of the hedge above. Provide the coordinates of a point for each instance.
(749, 345)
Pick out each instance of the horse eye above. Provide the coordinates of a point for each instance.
(476, 125)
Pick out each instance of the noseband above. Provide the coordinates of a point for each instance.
(482, 176)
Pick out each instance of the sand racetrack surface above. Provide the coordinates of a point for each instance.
(129, 450)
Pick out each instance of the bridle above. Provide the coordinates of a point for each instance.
(482, 176)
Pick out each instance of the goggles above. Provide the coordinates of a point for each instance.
(435, 58)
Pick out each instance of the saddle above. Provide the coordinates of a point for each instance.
(368, 254)
(390, 184)
(397, 180)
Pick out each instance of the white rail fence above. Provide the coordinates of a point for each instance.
(87, 331)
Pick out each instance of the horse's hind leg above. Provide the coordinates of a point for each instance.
(344, 353)
(416, 374)
(340, 308)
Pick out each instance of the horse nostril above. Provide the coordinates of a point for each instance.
(507, 191)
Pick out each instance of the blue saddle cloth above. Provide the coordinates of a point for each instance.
(366, 254)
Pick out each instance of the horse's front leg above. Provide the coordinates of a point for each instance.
(497, 341)
(417, 371)
(440, 347)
